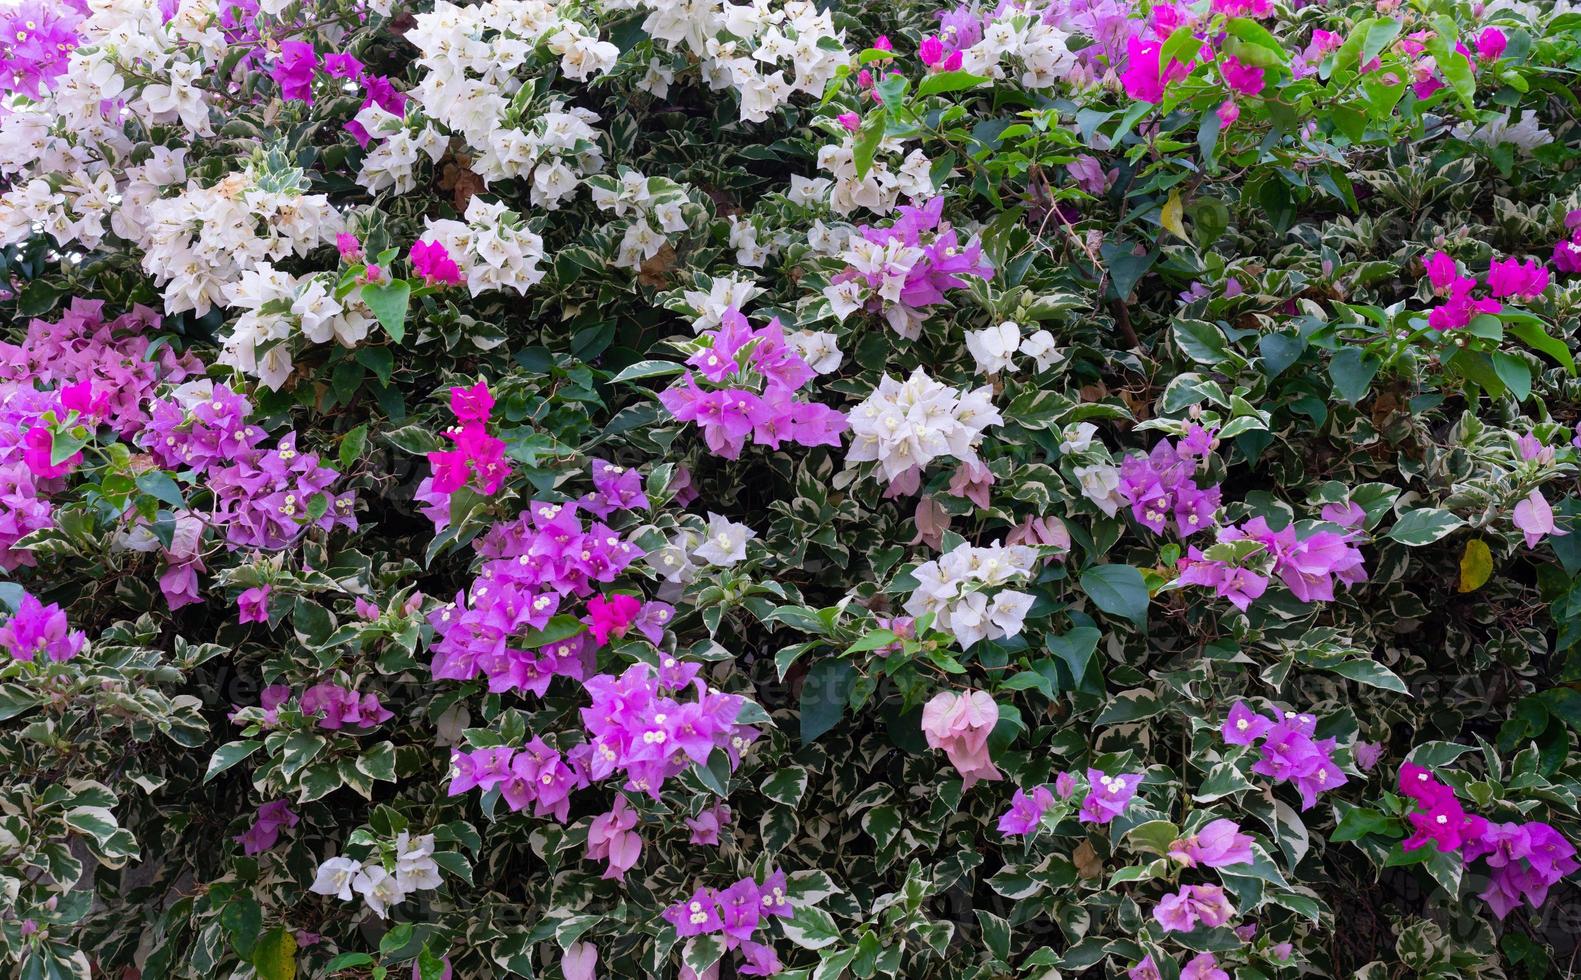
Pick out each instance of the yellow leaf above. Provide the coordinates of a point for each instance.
(1476, 566)
(275, 955)
(1170, 217)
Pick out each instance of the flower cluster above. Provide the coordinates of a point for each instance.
(535, 776)
(36, 40)
(1193, 906)
(993, 349)
(752, 377)
(612, 838)
(201, 242)
(1524, 859)
(477, 459)
(384, 879)
(338, 707)
(765, 52)
(1106, 797)
(955, 589)
(1308, 564)
(469, 58)
(1506, 279)
(638, 727)
(900, 271)
(1288, 752)
(39, 632)
(994, 43)
(490, 249)
(1203, 966)
(905, 425)
(736, 913)
(1163, 484)
(1218, 844)
(1567, 250)
(531, 566)
(654, 206)
(278, 311)
(98, 373)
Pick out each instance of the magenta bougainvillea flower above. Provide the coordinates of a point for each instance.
(1026, 812)
(340, 707)
(1194, 905)
(40, 632)
(433, 262)
(1219, 844)
(264, 834)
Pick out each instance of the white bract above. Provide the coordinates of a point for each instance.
(904, 425)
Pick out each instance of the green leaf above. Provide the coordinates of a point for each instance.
(648, 369)
(1201, 341)
(561, 627)
(1423, 526)
(1251, 32)
(1118, 590)
(1352, 371)
(1514, 373)
(996, 934)
(388, 301)
(228, 755)
(702, 952)
(159, 485)
(1279, 352)
(1368, 672)
(867, 140)
(95, 821)
(1075, 649)
(786, 786)
(948, 81)
(811, 928)
(1530, 330)
(353, 445)
(823, 696)
(1126, 268)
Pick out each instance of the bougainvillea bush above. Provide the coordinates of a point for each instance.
(686, 488)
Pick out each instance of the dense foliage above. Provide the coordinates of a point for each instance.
(684, 488)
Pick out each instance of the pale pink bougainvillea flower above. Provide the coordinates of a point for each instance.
(960, 723)
(1535, 519)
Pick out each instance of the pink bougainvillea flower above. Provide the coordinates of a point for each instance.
(341, 65)
(1491, 44)
(1243, 726)
(1194, 905)
(432, 261)
(580, 961)
(611, 616)
(1442, 271)
(1144, 78)
(265, 832)
(1521, 280)
(611, 837)
(349, 246)
(1242, 78)
(1108, 796)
